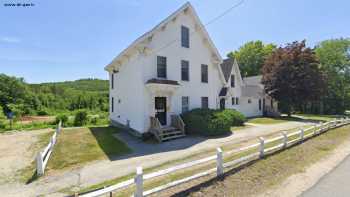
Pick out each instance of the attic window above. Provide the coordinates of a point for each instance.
(185, 37)
(232, 81)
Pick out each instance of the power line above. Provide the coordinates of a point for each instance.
(206, 24)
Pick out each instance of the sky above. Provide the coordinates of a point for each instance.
(59, 40)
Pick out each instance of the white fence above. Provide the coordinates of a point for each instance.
(43, 156)
(264, 147)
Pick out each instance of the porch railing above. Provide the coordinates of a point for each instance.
(156, 128)
(177, 122)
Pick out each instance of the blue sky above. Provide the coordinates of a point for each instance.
(68, 40)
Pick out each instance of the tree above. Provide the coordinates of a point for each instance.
(334, 57)
(12, 91)
(251, 57)
(292, 75)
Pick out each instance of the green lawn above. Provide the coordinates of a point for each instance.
(81, 145)
(297, 117)
(318, 117)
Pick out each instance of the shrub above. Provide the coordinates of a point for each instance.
(80, 118)
(211, 122)
(2, 115)
(94, 120)
(42, 113)
(63, 118)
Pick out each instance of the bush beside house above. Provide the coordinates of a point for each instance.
(210, 122)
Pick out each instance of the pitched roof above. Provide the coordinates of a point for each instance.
(223, 91)
(160, 25)
(226, 67)
(254, 80)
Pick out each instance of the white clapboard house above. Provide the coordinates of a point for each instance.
(173, 68)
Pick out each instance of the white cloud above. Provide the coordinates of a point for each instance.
(10, 39)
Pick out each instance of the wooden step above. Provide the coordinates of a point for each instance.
(173, 137)
(171, 133)
(167, 129)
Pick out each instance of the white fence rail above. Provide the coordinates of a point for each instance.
(43, 156)
(261, 149)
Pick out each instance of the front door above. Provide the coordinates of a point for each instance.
(160, 106)
(222, 104)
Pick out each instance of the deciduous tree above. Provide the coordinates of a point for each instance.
(291, 75)
(251, 57)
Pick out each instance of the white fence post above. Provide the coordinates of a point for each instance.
(139, 182)
(219, 162)
(39, 164)
(285, 139)
(302, 134)
(262, 146)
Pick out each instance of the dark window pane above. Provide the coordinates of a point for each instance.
(161, 67)
(205, 103)
(233, 100)
(233, 81)
(112, 103)
(236, 100)
(185, 104)
(204, 70)
(185, 37)
(260, 104)
(112, 81)
(185, 70)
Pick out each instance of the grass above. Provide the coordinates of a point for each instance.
(317, 117)
(261, 175)
(265, 120)
(299, 117)
(180, 174)
(305, 154)
(78, 146)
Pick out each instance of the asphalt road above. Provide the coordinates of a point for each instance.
(335, 184)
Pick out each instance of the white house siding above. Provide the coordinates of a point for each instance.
(197, 54)
(128, 87)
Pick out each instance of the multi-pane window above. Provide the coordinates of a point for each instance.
(185, 37)
(185, 104)
(234, 100)
(204, 73)
(205, 103)
(185, 73)
(112, 104)
(233, 81)
(161, 67)
(112, 81)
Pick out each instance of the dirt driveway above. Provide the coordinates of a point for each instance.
(17, 151)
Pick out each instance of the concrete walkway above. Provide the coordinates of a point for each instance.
(145, 155)
(335, 183)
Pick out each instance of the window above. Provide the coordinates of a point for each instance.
(161, 67)
(112, 81)
(234, 100)
(249, 101)
(185, 37)
(185, 74)
(205, 103)
(112, 105)
(259, 104)
(233, 81)
(185, 104)
(204, 71)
